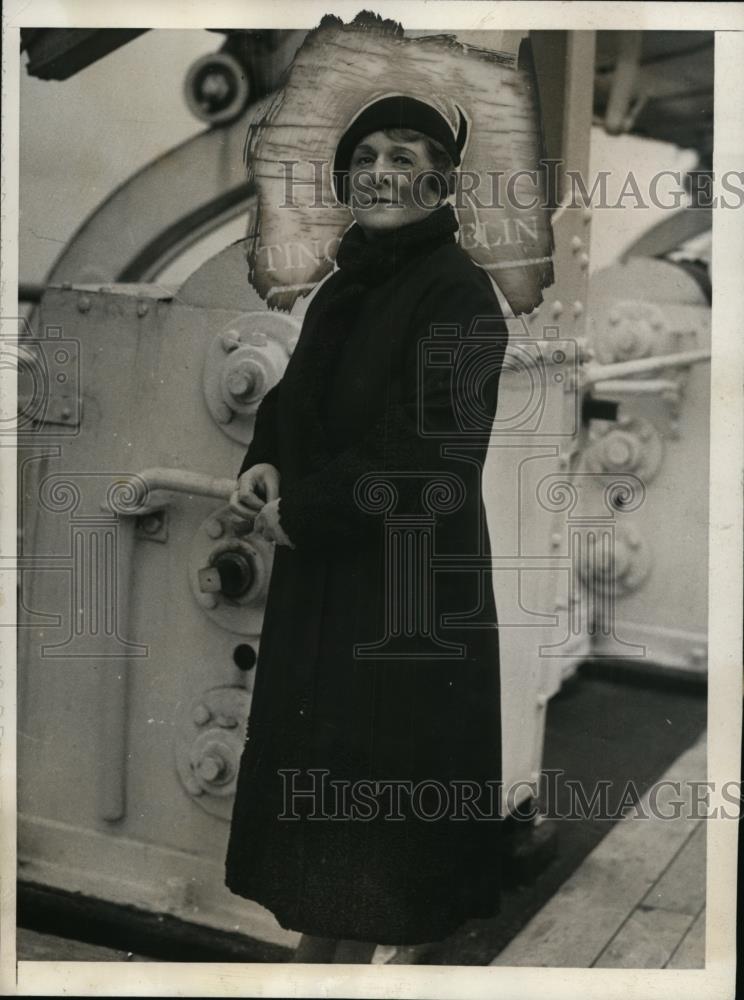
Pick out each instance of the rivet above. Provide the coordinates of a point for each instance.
(215, 528)
(586, 216)
(584, 261)
(201, 714)
(555, 540)
(142, 309)
(576, 243)
(230, 341)
(224, 413)
(66, 413)
(556, 309)
(83, 304)
(578, 308)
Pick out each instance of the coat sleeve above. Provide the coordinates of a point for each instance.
(321, 508)
(264, 446)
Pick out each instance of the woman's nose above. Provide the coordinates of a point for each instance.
(380, 171)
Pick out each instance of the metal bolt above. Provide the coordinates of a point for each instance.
(586, 216)
(578, 308)
(214, 88)
(83, 304)
(142, 308)
(627, 341)
(584, 261)
(66, 413)
(618, 451)
(555, 539)
(239, 383)
(211, 767)
(556, 309)
(201, 714)
(576, 243)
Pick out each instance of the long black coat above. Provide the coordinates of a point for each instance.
(425, 709)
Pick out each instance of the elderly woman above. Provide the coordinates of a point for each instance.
(365, 807)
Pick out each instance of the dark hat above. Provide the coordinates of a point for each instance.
(396, 112)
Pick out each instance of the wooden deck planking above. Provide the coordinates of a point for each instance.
(589, 910)
(647, 940)
(690, 954)
(682, 886)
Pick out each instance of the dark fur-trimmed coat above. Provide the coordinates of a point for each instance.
(358, 400)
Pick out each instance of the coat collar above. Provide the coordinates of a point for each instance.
(333, 312)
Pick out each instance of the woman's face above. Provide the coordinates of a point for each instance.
(384, 192)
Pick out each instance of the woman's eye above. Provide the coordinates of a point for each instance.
(405, 160)
(361, 160)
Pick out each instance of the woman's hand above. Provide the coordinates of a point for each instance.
(268, 524)
(257, 486)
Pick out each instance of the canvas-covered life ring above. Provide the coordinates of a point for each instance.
(341, 68)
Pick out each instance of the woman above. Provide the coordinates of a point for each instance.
(344, 694)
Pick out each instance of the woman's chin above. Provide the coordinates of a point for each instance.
(378, 221)
(381, 220)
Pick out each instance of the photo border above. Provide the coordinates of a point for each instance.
(725, 535)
